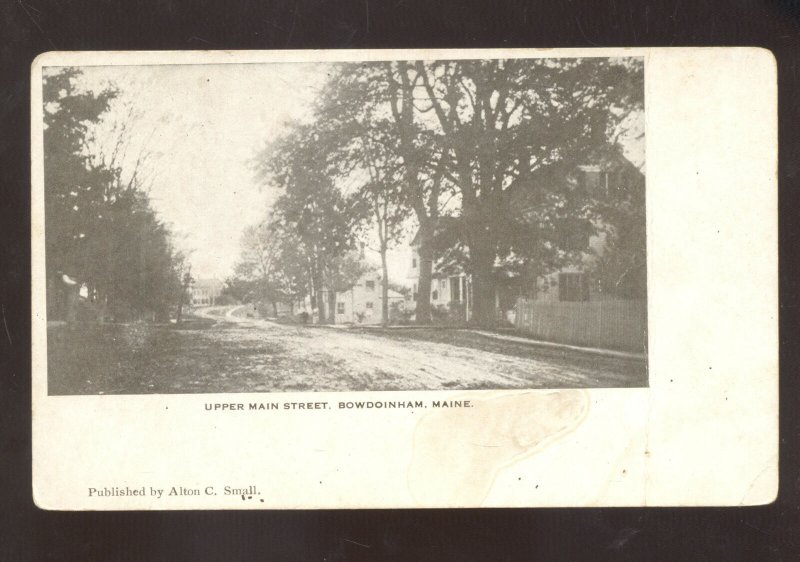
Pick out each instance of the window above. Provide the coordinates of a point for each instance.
(443, 284)
(414, 263)
(339, 308)
(369, 305)
(435, 295)
(370, 285)
(573, 287)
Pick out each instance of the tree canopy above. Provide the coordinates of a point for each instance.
(101, 231)
(485, 155)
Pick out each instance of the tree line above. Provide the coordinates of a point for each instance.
(102, 233)
(479, 153)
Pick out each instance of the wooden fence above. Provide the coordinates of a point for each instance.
(620, 325)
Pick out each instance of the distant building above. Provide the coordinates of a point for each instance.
(363, 303)
(205, 292)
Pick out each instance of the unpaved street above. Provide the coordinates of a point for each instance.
(221, 351)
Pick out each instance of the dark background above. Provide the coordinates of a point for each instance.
(30, 27)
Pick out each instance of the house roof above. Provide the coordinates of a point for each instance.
(607, 160)
(207, 283)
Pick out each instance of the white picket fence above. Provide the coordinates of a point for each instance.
(613, 324)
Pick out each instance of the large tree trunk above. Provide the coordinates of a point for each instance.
(423, 309)
(384, 287)
(483, 291)
(181, 300)
(316, 282)
(332, 304)
(482, 256)
(425, 206)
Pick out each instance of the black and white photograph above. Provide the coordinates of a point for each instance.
(398, 225)
(403, 278)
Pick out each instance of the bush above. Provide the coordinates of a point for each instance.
(453, 314)
(265, 310)
(226, 300)
(399, 314)
(440, 313)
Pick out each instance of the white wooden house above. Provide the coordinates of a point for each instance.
(451, 286)
(205, 292)
(363, 302)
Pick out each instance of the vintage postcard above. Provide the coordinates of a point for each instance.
(418, 278)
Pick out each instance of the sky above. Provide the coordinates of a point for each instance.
(203, 126)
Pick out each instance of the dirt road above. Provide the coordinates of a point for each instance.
(409, 360)
(221, 351)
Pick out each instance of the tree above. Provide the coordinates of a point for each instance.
(311, 208)
(492, 144)
(73, 188)
(293, 266)
(101, 231)
(186, 283)
(342, 273)
(376, 101)
(389, 215)
(504, 127)
(137, 266)
(271, 266)
(239, 289)
(621, 267)
(257, 263)
(364, 154)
